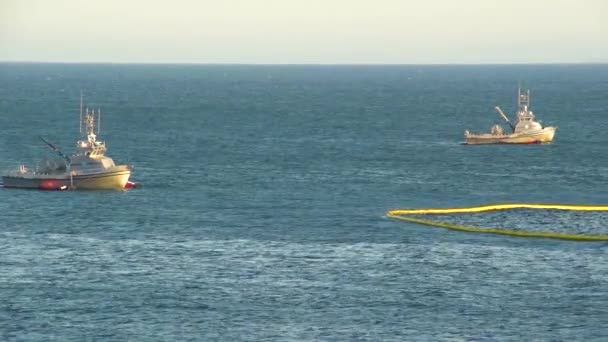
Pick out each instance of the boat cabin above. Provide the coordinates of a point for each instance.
(525, 117)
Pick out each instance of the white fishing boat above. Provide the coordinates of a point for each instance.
(87, 169)
(525, 131)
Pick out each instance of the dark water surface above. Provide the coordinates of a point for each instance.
(262, 213)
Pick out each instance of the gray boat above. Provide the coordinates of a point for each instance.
(87, 169)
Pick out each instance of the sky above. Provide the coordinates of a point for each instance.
(305, 31)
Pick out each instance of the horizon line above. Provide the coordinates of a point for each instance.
(307, 64)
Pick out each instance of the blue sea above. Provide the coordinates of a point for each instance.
(262, 215)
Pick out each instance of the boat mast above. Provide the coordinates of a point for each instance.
(98, 120)
(81, 105)
(523, 101)
(519, 97)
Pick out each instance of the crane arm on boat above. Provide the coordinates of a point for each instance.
(56, 149)
(505, 117)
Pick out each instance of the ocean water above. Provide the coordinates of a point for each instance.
(265, 189)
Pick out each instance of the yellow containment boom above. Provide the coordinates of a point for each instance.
(404, 215)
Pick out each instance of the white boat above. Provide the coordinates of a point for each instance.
(87, 169)
(525, 131)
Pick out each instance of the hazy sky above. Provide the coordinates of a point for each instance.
(305, 31)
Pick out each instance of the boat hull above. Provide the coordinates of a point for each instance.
(542, 136)
(114, 180)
